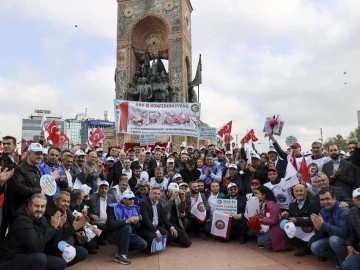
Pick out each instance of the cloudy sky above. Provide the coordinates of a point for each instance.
(259, 58)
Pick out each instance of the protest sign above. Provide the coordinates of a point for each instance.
(48, 184)
(221, 225)
(226, 206)
(147, 139)
(290, 140)
(269, 130)
(157, 118)
(207, 133)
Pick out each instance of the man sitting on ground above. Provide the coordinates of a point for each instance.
(122, 221)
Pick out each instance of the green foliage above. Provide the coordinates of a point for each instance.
(341, 141)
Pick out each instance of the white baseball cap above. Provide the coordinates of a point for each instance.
(99, 149)
(233, 166)
(79, 153)
(68, 252)
(170, 160)
(128, 194)
(103, 183)
(290, 229)
(356, 193)
(231, 185)
(173, 187)
(35, 147)
(110, 159)
(254, 155)
(177, 175)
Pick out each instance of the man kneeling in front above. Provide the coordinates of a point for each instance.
(122, 221)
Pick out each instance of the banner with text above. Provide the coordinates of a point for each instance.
(157, 118)
(207, 133)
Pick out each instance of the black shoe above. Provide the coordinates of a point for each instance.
(122, 259)
(242, 240)
(322, 258)
(302, 252)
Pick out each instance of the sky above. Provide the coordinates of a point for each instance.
(283, 57)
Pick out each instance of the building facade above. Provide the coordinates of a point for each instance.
(31, 126)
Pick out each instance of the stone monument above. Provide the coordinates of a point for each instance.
(153, 59)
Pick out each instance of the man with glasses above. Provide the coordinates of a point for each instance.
(323, 183)
(27, 176)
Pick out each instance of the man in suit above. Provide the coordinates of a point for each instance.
(340, 172)
(98, 204)
(141, 161)
(280, 164)
(156, 162)
(154, 223)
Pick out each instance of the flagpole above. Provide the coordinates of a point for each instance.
(198, 94)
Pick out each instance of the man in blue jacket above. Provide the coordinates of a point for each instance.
(122, 221)
(331, 228)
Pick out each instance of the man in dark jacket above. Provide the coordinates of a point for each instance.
(352, 243)
(154, 223)
(299, 213)
(239, 227)
(122, 221)
(23, 247)
(190, 173)
(27, 176)
(70, 227)
(331, 228)
(323, 183)
(340, 172)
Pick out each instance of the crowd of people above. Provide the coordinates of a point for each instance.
(135, 197)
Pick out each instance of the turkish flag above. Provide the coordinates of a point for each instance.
(96, 137)
(304, 171)
(62, 140)
(249, 136)
(225, 129)
(53, 133)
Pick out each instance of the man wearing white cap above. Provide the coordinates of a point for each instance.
(174, 205)
(77, 169)
(99, 201)
(169, 170)
(123, 220)
(27, 176)
(352, 243)
(239, 227)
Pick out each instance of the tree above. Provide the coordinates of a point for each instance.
(354, 135)
(339, 140)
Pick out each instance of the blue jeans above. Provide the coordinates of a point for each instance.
(264, 239)
(328, 247)
(126, 240)
(352, 263)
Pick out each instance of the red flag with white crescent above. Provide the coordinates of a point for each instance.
(225, 129)
(62, 140)
(53, 133)
(96, 137)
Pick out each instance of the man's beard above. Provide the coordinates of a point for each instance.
(334, 156)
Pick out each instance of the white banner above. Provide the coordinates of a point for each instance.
(199, 210)
(157, 118)
(147, 139)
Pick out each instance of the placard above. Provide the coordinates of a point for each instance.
(147, 139)
(207, 133)
(226, 206)
(277, 129)
(48, 184)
